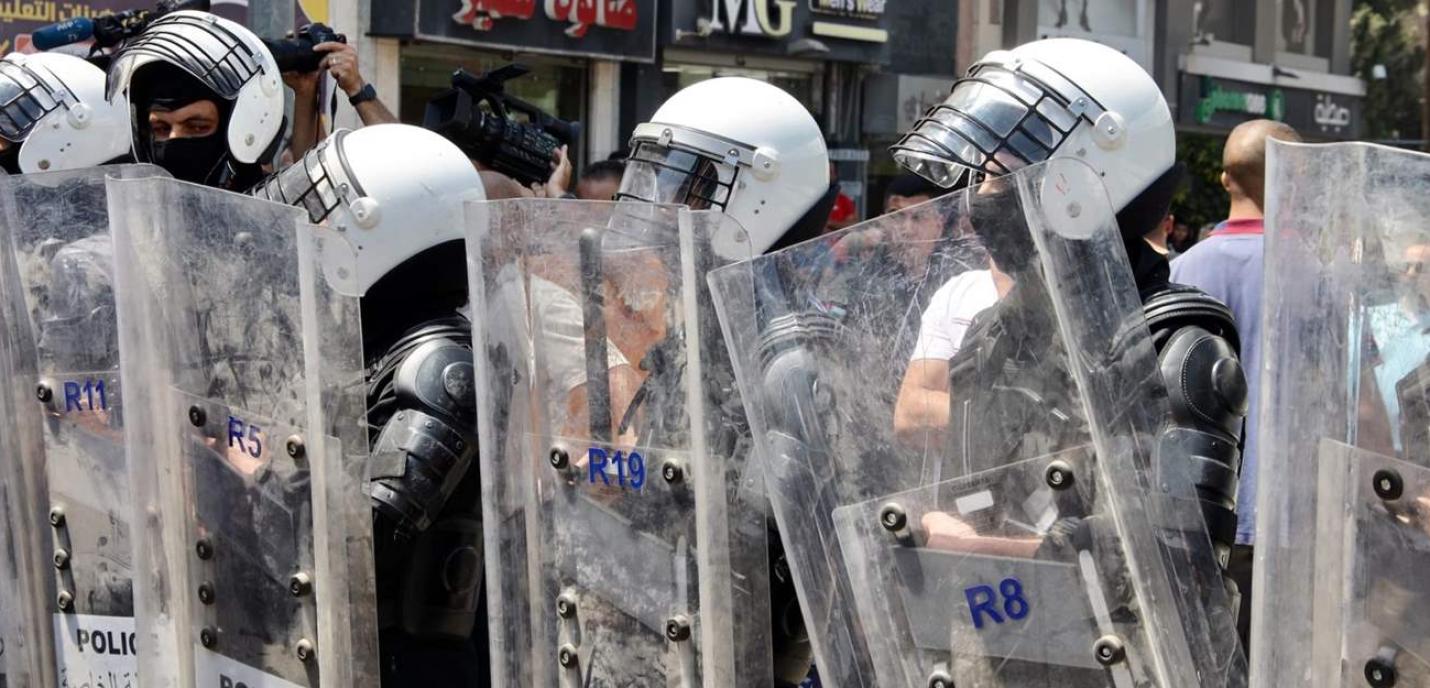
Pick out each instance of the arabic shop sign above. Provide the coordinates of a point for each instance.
(619, 29)
(1223, 104)
(19, 18)
(581, 15)
(1330, 116)
(1269, 105)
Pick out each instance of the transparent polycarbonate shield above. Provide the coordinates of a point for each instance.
(1344, 393)
(626, 540)
(26, 585)
(1375, 543)
(62, 362)
(957, 410)
(242, 365)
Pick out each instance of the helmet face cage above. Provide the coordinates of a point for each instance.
(664, 174)
(26, 96)
(319, 183)
(999, 118)
(224, 62)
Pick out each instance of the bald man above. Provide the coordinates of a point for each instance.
(1227, 265)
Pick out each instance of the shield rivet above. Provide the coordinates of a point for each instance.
(566, 605)
(206, 592)
(567, 655)
(65, 600)
(57, 516)
(1109, 650)
(671, 471)
(677, 628)
(197, 416)
(893, 517)
(1059, 475)
(44, 392)
(204, 549)
(1388, 484)
(304, 649)
(559, 458)
(295, 447)
(940, 679)
(208, 637)
(62, 558)
(1380, 672)
(300, 584)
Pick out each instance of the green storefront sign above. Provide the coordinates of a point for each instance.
(1216, 98)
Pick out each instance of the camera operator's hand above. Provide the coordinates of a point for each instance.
(559, 182)
(341, 60)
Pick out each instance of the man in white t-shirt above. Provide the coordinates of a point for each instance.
(922, 413)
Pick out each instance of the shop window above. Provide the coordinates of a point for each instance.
(1100, 17)
(1224, 21)
(1303, 27)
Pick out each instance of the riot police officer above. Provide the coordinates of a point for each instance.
(206, 99)
(55, 116)
(1014, 503)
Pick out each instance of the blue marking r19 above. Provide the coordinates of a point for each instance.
(629, 468)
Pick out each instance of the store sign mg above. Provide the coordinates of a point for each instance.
(771, 18)
(1216, 98)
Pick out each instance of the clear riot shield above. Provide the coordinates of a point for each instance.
(626, 541)
(61, 373)
(1343, 536)
(957, 410)
(26, 586)
(243, 371)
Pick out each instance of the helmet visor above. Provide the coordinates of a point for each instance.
(995, 121)
(657, 174)
(318, 183)
(25, 98)
(206, 49)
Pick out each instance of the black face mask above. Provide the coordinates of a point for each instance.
(199, 159)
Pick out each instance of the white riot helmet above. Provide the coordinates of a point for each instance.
(737, 144)
(393, 190)
(188, 56)
(1054, 98)
(55, 116)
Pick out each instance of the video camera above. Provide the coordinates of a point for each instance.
(476, 114)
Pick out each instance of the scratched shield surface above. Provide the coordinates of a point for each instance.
(626, 540)
(1347, 409)
(60, 276)
(957, 408)
(240, 343)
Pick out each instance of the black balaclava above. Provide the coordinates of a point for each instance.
(203, 160)
(10, 158)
